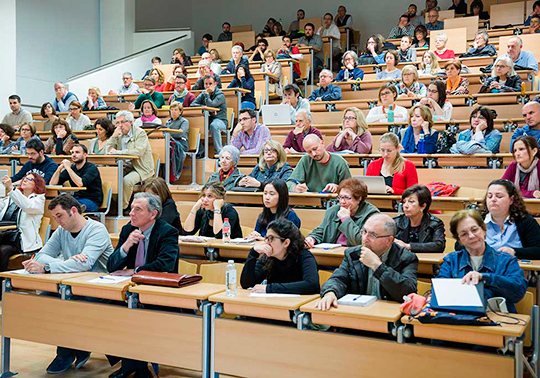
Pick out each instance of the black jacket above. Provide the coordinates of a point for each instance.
(398, 277)
(487, 50)
(529, 233)
(431, 235)
(162, 255)
(171, 215)
(513, 84)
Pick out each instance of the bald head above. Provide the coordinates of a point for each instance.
(514, 47)
(378, 233)
(531, 113)
(314, 147)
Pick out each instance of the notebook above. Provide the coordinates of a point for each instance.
(449, 294)
(356, 300)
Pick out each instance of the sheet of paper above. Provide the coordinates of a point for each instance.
(272, 295)
(109, 279)
(451, 292)
(327, 245)
(21, 271)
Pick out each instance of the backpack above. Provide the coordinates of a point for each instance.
(446, 140)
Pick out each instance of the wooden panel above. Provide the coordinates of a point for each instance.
(457, 40)
(471, 23)
(317, 21)
(241, 28)
(505, 14)
(443, 15)
(223, 48)
(531, 42)
(245, 37)
(473, 178)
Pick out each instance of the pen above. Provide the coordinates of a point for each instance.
(296, 181)
(356, 298)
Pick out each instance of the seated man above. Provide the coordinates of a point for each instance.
(314, 40)
(226, 35)
(286, 51)
(415, 19)
(205, 68)
(249, 136)
(18, 116)
(378, 267)
(180, 93)
(77, 245)
(129, 86)
(319, 170)
(534, 27)
(152, 95)
(293, 143)
(291, 97)
(480, 46)
(213, 96)
(531, 113)
(258, 54)
(206, 39)
(403, 28)
(433, 21)
(81, 173)
(238, 58)
(128, 139)
(214, 66)
(294, 27)
(37, 162)
(524, 59)
(326, 91)
(63, 98)
(148, 243)
(328, 28)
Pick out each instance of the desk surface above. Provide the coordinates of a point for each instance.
(243, 298)
(56, 278)
(200, 291)
(5, 228)
(81, 286)
(379, 310)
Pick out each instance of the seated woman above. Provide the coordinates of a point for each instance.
(481, 137)
(350, 72)
(61, 140)
(104, 130)
(228, 174)
(209, 212)
(177, 71)
(272, 165)
(49, 113)
(179, 144)
(278, 30)
(180, 57)
(391, 71)
(421, 127)
(374, 53)
(28, 132)
(440, 47)
(354, 135)
(503, 77)
(459, 7)
(94, 100)
(417, 229)
(436, 101)
(283, 262)
(406, 52)
(409, 86)
(215, 56)
(76, 119)
(398, 173)
(342, 222)
(387, 100)
(429, 65)
(273, 66)
(6, 139)
(420, 37)
(24, 205)
(480, 46)
(477, 9)
(524, 171)
(159, 79)
(243, 79)
(478, 262)
(169, 212)
(455, 84)
(148, 114)
(276, 205)
(510, 227)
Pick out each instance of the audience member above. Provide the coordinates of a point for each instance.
(430, 65)
(76, 119)
(524, 170)
(374, 52)
(169, 213)
(94, 100)
(534, 26)
(156, 62)
(159, 79)
(455, 83)
(148, 114)
(215, 57)
(350, 72)
(328, 28)
(314, 40)
(104, 131)
(531, 113)
(206, 39)
(420, 37)
(378, 267)
(459, 7)
(398, 173)
(282, 264)
(430, 4)
(249, 135)
(342, 18)
(214, 66)
(258, 54)
(440, 47)
(436, 101)
(62, 139)
(177, 71)
(409, 86)
(406, 52)
(269, 27)
(243, 79)
(228, 174)
(354, 135)
(181, 93)
(81, 173)
(326, 91)
(417, 229)
(259, 37)
(522, 59)
(403, 27)
(237, 59)
(433, 21)
(48, 112)
(277, 30)
(226, 34)
(272, 66)
(180, 143)
(387, 100)
(480, 46)
(152, 95)
(18, 115)
(291, 97)
(477, 9)
(28, 132)
(295, 25)
(6, 139)
(318, 170)
(287, 51)
(535, 12)
(391, 71)
(180, 57)
(503, 77)
(63, 98)
(420, 128)
(129, 86)
(294, 142)
(478, 262)
(205, 69)
(37, 162)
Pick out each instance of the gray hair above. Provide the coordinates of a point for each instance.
(389, 225)
(125, 113)
(309, 116)
(235, 153)
(204, 62)
(127, 73)
(353, 55)
(484, 35)
(508, 61)
(442, 36)
(328, 72)
(237, 47)
(153, 202)
(517, 38)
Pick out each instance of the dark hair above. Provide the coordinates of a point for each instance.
(60, 121)
(404, 15)
(422, 29)
(423, 194)
(66, 202)
(272, 19)
(282, 206)
(413, 5)
(285, 230)
(39, 183)
(358, 189)
(535, 16)
(209, 77)
(309, 24)
(252, 113)
(536, 4)
(183, 77)
(487, 113)
(529, 142)
(84, 148)
(292, 87)
(392, 89)
(15, 97)
(215, 187)
(395, 54)
(106, 124)
(43, 109)
(301, 10)
(35, 144)
(286, 36)
(156, 58)
(441, 89)
(477, 4)
(225, 23)
(150, 79)
(263, 40)
(378, 44)
(208, 37)
(159, 187)
(518, 210)
(8, 129)
(329, 14)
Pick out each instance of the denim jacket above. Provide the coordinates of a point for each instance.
(501, 274)
(465, 144)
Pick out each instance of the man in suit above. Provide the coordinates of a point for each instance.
(145, 243)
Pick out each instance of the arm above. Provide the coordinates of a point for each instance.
(262, 137)
(363, 144)
(399, 284)
(298, 175)
(313, 96)
(510, 284)
(492, 141)
(333, 95)
(252, 273)
(437, 243)
(216, 102)
(340, 279)
(55, 179)
(200, 100)
(309, 283)
(34, 205)
(141, 145)
(431, 142)
(351, 230)
(168, 253)
(514, 87)
(318, 232)
(374, 115)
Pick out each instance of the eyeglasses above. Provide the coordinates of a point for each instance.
(407, 74)
(344, 197)
(29, 178)
(500, 66)
(349, 118)
(244, 119)
(122, 122)
(467, 233)
(478, 116)
(73, 108)
(25, 129)
(433, 91)
(269, 151)
(372, 235)
(271, 238)
(386, 93)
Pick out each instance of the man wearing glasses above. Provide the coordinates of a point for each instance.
(249, 136)
(129, 86)
(378, 267)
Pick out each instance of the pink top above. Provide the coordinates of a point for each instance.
(361, 144)
(447, 54)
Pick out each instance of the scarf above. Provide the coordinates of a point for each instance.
(533, 175)
(144, 119)
(180, 95)
(450, 87)
(224, 176)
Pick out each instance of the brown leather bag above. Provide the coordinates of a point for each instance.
(165, 279)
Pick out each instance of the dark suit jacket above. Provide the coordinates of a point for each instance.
(162, 254)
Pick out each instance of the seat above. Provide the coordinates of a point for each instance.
(230, 117)
(324, 275)
(106, 204)
(246, 230)
(194, 139)
(15, 261)
(258, 99)
(185, 267)
(525, 306)
(450, 245)
(45, 229)
(423, 287)
(157, 162)
(215, 273)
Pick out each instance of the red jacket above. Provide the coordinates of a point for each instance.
(402, 180)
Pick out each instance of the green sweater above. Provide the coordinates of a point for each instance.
(316, 175)
(156, 98)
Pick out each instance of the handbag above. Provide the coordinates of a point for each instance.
(146, 277)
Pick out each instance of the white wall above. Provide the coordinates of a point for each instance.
(8, 48)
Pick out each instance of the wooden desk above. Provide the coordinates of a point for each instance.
(6, 228)
(42, 282)
(430, 263)
(53, 190)
(82, 287)
(183, 297)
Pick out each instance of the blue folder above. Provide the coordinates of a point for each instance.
(471, 310)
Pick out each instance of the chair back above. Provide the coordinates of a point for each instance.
(215, 273)
(193, 139)
(324, 275)
(524, 306)
(185, 267)
(45, 229)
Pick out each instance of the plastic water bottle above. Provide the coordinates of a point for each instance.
(346, 74)
(391, 114)
(428, 68)
(230, 279)
(421, 145)
(23, 148)
(226, 231)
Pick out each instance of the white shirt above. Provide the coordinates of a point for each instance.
(376, 114)
(138, 122)
(78, 124)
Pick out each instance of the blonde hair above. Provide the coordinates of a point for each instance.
(176, 104)
(95, 89)
(425, 113)
(399, 162)
(282, 156)
(434, 61)
(410, 68)
(361, 123)
(270, 52)
(160, 74)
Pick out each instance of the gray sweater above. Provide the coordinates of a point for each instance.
(93, 240)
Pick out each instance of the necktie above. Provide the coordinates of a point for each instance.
(139, 259)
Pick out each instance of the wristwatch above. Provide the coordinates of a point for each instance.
(217, 211)
(47, 268)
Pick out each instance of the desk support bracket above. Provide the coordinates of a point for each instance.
(133, 299)
(215, 312)
(302, 319)
(65, 292)
(206, 308)
(6, 341)
(535, 338)
(212, 253)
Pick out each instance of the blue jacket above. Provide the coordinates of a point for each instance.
(331, 93)
(271, 173)
(231, 67)
(355, 74)
(45, 169)
(410, 147)
(248, 84)
(501, 274)
(525, 130)
(465, 145)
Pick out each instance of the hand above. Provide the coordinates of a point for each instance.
(210, 90)
(249, 181)
(131, 106)
(117, 132)
(389, 190)
(263, 249)
(300, 188)
(343, 213)
(402, 243)
(508, 250)
(332, 188)
(475, 45)
(81, 257)
(298, 130)
(15, 148)
(66, 164)
(237, 129)
(197, 206)
(472, 277)
(218, 203)
(481, 126)
(5, 138)
(6, 180)
(310, 242)
(61, 133)
(327, 302)
(425, 101)
(171, 79)
(286, 100)
(369, 258)
(425, 127)
(371, 49)
(411, 94)
(495, 85)
(114, 151)
(32, 266)
(112, 93)
(133, 238)
(291, 150)
(536, 194)
(90, 101)
(318, 99)
(255, 235)
(259, 289)
(124, 272)
(351, 133)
